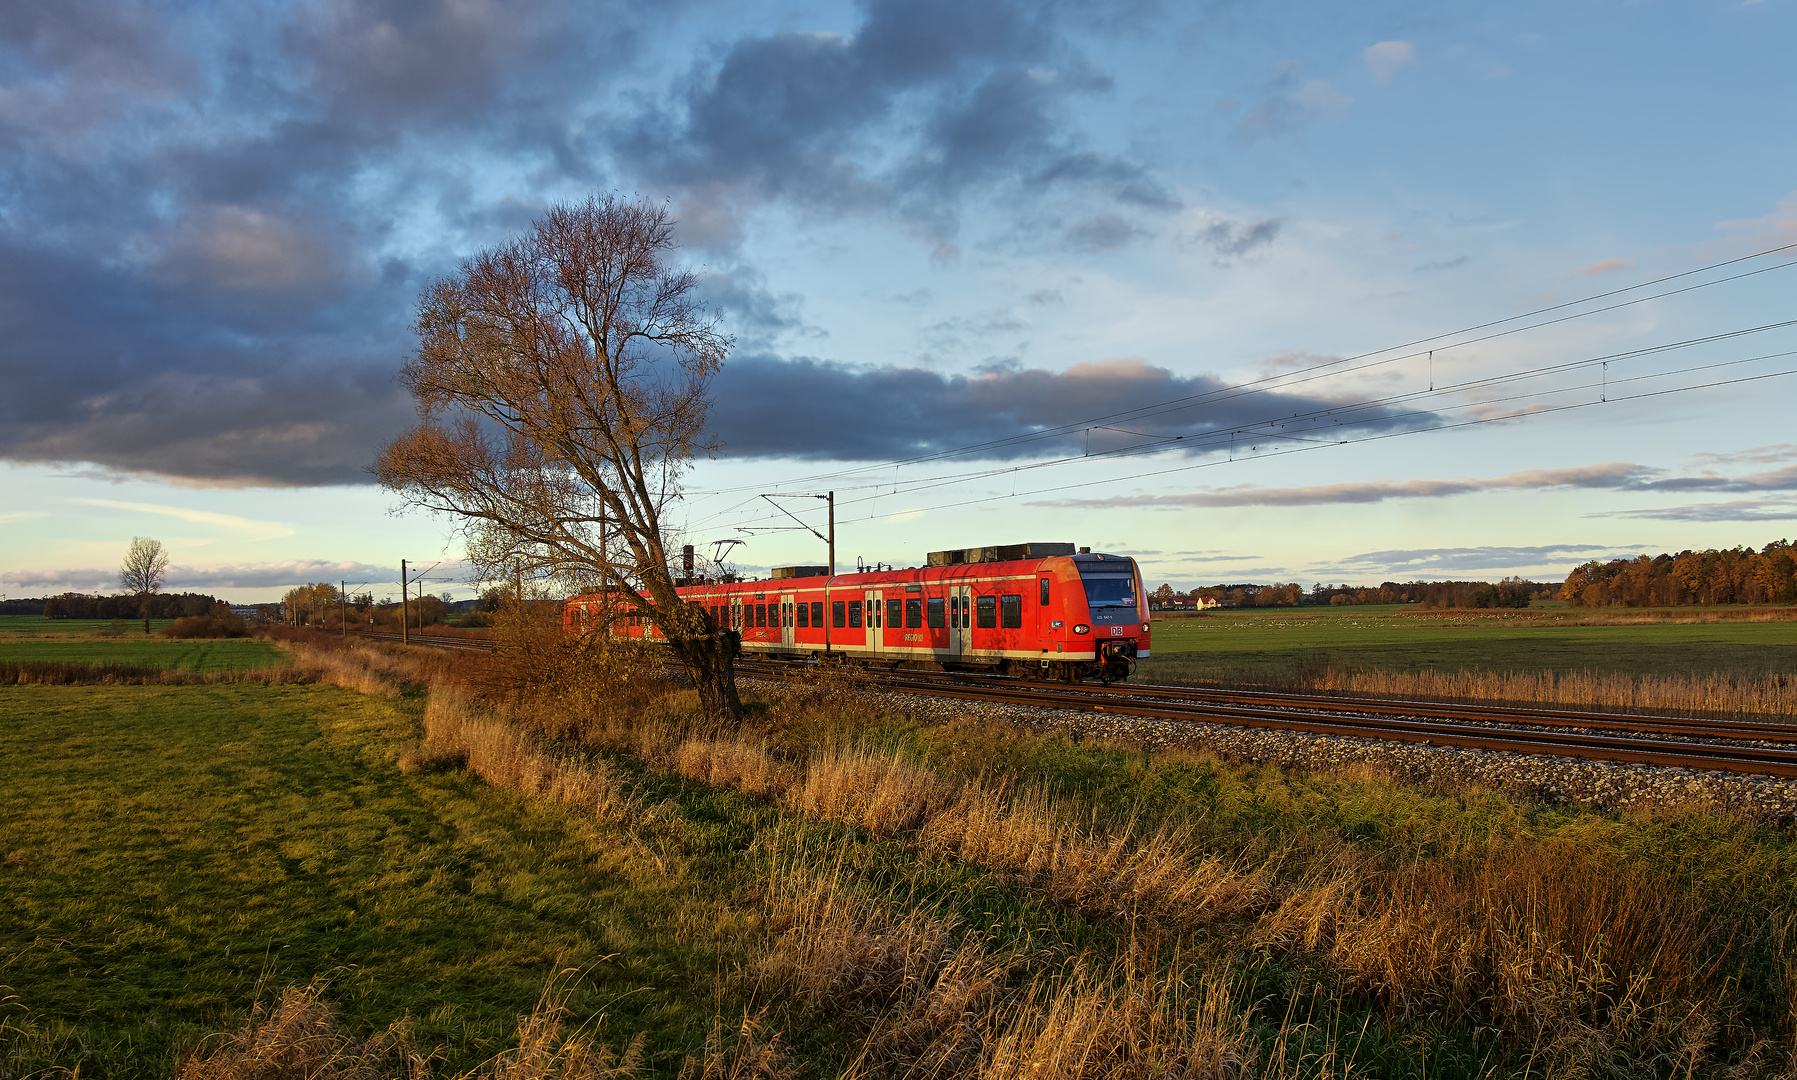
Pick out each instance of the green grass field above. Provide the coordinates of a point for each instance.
(170, 852)
(1262, 642)
(236, 654)
(25, 638)
(17, 627)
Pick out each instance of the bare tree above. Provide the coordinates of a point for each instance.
(561, 382)
(142, 572)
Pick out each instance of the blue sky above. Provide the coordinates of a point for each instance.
(930, 226)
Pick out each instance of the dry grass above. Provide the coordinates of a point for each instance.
(936, 1000)
(1586, 959)
(1113, 870)
(734, 764)
(1125, 1022)
(299, 1039)
(752, 1052)
(507, 757)
(1709, 695)
(73, 673)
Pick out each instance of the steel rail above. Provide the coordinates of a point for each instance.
(1641, 723)
(1415, 723)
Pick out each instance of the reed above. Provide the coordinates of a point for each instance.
(1717, 696)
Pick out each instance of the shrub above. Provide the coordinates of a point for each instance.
(206, 626)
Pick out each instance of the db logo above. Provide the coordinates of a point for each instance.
(1117, 631)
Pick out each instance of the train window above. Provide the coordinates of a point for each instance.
(836, 608)
(895, 613)
(786, 617)
(854, 613)
(1010, 611)
(937, 621)
(1045, 592)
(1111, 590)
(817, 613)
(985, 612)
(913, 613)
(760, 614)
(804, 616)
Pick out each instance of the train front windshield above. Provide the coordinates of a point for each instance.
(1110, 590)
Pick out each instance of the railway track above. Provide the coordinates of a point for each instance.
(1627, 738)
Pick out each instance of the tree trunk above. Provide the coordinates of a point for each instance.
(711, 662)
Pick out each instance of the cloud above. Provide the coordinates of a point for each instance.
(1616, 476)
(1102, 232)
(1451, 562)
(264, 575)
(1603, 266)
(253, 530)
(232, 209)
(1386, 57)
(923, 102)
(1287, 101)
(1738, 510)
(1230, 238)
(869, 413)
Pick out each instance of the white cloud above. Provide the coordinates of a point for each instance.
(1321, 98)
(1385, 58)
(252, 530)
(1603, 266)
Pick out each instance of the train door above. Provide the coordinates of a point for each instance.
(872, 603)
(786, 603)
(960, 620)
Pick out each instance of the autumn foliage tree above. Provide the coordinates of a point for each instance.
(561, 380)
(1725, 576)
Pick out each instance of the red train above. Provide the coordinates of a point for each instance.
(1033, 610)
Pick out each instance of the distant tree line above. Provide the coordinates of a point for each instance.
(23, 606)
(1510, 592)
(1727, 576)
(74, 605)
(321, 604)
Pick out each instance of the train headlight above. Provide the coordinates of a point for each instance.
(1081, 628)
(1144, 628)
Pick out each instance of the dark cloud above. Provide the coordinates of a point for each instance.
(921, 104)
(1734, 510)
(198, 269)
(218, 218)
(1233, 239)
(1614, 475)
(1449, 562)
(282, 574)
(1102, 232)
(863, 414)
